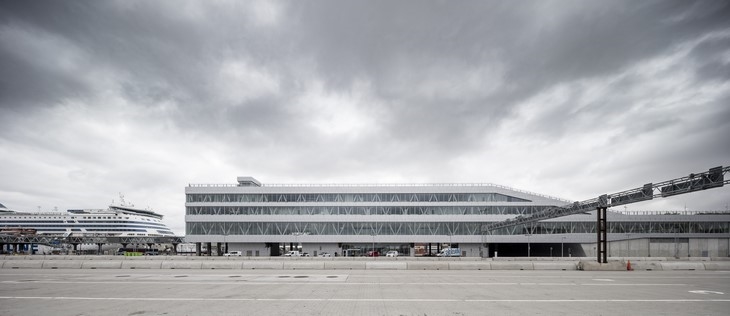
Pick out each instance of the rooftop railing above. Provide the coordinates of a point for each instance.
(322, 185)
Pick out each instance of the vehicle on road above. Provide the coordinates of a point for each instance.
(449, 252)
(392, 253)
(295, 253)
(373, 253)
(233, 254)
(325, 254)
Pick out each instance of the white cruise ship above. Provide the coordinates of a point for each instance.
(116, 220)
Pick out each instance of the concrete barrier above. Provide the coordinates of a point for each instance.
(267, 265)
(386, 265)
(62, 264)
(560, 265)
(303, 265)
(142, 264)
(646, 266)
(511, 265)
(427, 265)
(222, 265)
(470, 265)
(22, 264)
(101, 264)
(595, 266)
(181, 264)
(677, 265)
(717, 266)
(344, 265)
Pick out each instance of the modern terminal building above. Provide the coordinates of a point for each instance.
(422, 219)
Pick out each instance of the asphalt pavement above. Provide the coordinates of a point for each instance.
(362, 292)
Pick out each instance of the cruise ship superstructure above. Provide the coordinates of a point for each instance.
(116, 220)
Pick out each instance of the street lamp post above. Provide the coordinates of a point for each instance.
(562, 241)
(628, 244)
(528, 244)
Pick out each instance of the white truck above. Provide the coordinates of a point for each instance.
(295, 253)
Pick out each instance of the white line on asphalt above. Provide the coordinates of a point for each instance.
(68, 298)
(342, 282)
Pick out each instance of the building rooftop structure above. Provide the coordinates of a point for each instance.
(415, 219)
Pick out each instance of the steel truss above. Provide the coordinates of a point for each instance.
(714, 178)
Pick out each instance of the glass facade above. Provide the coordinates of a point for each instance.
(446, 228)
(339, 214)
(363, 210)
(357, 198)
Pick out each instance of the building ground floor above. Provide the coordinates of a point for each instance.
(625, 247)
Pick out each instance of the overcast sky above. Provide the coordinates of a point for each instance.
(567, 98)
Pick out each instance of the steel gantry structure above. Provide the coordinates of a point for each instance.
(713, 178)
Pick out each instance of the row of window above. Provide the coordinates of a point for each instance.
(362, 197)
(363, 210)
(444, 228)
(42, 226)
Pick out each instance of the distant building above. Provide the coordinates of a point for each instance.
(422, 219)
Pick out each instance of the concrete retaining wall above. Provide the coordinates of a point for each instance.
(426, 265)
(384, 265)
(181, 265)
(22, 264)
(511, 265)
(682, 266)
(62, 264)
(222, 265)
(588, 264)
(268, 265)
(101, 264)
(344, 265)
(555, 266)
(470, 265)
(142, 264)
(304, 265)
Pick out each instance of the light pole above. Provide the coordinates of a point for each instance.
(528, 244)
(562, 241)
(628, 244)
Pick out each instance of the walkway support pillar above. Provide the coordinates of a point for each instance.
(601, 231)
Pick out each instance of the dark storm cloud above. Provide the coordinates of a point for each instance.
(318, 89)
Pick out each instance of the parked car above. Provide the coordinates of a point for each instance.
(373, 254)
(325, 254)
(233, 254)
(293, 253)
(392, 253)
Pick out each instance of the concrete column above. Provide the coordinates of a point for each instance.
(98, 249)
(197, 248)
(174, 248)
(210, 248)
(218, 249)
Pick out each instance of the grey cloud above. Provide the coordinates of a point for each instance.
(443, 78)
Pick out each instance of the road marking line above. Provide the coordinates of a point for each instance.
(68, 298)
(337, 282)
